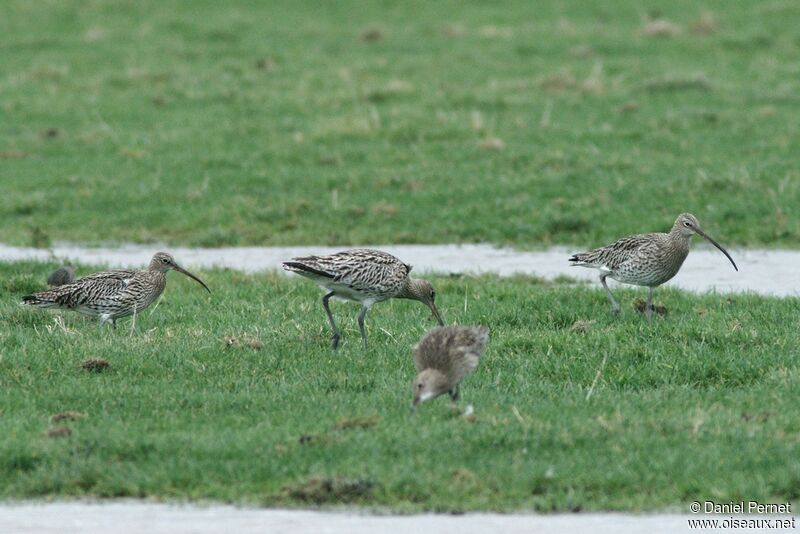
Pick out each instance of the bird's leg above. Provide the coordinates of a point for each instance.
(614, 303)
(361, 315)
(649, 307)
(454, 393)
(336, 336)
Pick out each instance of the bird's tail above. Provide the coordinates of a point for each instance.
(305, 269)
(43, 299)
(578, 259)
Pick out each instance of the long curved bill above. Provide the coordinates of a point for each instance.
(193, 277)
(707, 238)
(436, 314)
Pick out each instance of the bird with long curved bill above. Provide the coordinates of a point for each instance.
(365, 276)
(646, 260)
(111, 295)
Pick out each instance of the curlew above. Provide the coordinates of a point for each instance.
(365, 276)
(110, 295)
(61, 276)
(646, 260)
(443, 358)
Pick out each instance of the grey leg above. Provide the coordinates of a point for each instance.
(649, 308)
(614, 303)
(336, 335)
(361, 316)
(454, 394)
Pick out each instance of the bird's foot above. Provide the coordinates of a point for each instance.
(335, 341)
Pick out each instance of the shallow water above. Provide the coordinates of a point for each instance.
(134, 517)
(767, 272)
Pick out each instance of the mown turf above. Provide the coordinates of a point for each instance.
(236, 396)
(285, 122)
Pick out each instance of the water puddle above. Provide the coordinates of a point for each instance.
(133, 517)
(767, 272)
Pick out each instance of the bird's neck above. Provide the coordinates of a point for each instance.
(409, 290)
(680, 240)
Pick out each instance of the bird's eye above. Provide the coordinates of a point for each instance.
(165, 260)
(419, 386)
(687, 223)
(433, 294)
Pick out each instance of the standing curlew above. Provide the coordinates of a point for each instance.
(444, 357)
(645, 259)
(61, 276)
(365, 276)
(110, 295)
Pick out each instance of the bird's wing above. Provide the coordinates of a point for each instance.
(612, 256)
(372, 269)
(455, 350)
(116, 274)
(360, 269)
(89, 289)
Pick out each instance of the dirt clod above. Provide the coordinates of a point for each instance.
(95, 364)
(640, 305)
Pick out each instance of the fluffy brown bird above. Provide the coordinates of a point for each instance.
(444, 357)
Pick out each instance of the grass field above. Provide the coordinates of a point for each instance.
(236, 396)
(209, 123)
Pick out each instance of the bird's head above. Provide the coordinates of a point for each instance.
(163, 262)
(423, 291)
(428, 385)
(686, 225)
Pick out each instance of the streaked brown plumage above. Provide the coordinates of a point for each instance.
(110, 295)
(444, 357)
(646, 259)
(365, 276)
(61, 276)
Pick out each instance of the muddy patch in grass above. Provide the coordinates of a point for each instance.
(326, 490)
(640, 305)
(96, 365)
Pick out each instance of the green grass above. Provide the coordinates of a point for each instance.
(237, 397)
(216, 123)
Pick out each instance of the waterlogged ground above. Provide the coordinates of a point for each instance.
(765, 272)
(135, 517)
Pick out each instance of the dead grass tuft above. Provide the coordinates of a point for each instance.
(659, 28)
(359, 422)
(58, 432)
(491, 143)
(582, 326)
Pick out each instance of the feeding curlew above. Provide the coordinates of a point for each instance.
(444, 357)
(645, 259)
(61, 276)
(110, 295)
(365, 276)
